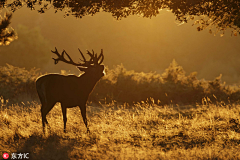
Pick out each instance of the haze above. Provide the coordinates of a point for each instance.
(140, 44)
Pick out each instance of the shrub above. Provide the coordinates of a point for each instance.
(120, 85)
(17, 84)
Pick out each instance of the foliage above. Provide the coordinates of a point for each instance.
(17, 83)
(6, 35)
(30, 50)
(120, 85)
(140, 132)
(218, 14)
(173, 86)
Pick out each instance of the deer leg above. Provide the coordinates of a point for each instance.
(43, 106)
(44, 110)
(64, 112)
(83, 112)
(43, 119)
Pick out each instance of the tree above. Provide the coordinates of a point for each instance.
(214, 15)
(30, 50)
(7, 35)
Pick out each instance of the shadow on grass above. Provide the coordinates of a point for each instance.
(52, 147)
(55, 146)
(182, 140)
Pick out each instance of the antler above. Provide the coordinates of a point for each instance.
(87, 63)
(94, 58)
(101, 55)
(70, 61)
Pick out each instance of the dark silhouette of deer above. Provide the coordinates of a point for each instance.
(70, 90)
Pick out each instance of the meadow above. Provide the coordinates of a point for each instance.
(169, 116)
(141, 131)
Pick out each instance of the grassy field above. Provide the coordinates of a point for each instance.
(140, 131)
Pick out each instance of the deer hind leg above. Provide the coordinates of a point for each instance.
(44, 110)
(44, 120)
(43, 100)
(83, 112)
(64, 112)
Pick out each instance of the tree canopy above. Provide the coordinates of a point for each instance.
(7, 35)
(215, 15)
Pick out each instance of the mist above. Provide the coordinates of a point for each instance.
(140, 44)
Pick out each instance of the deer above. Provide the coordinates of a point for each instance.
(69, 90)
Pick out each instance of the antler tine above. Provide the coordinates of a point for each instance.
(101, 55)
(67, 56)
(90, 54)
(81, 60)
(84, 59)
(94, 57)
(61, 58)
(56, 52)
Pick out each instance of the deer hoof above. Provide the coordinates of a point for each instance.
(88, 131)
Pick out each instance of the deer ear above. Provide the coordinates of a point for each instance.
(82, 69)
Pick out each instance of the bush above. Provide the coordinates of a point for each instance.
(172, 87)
(17, 84)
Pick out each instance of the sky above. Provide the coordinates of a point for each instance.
(140, 44)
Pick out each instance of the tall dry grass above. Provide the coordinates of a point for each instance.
(141, 131)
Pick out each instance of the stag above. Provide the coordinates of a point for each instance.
(70, 91)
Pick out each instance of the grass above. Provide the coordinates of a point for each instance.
(140, 131)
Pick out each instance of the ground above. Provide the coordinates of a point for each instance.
(140, 131)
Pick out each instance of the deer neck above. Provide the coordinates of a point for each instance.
(87, 82)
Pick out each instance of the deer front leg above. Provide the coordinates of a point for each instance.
(83, 112)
